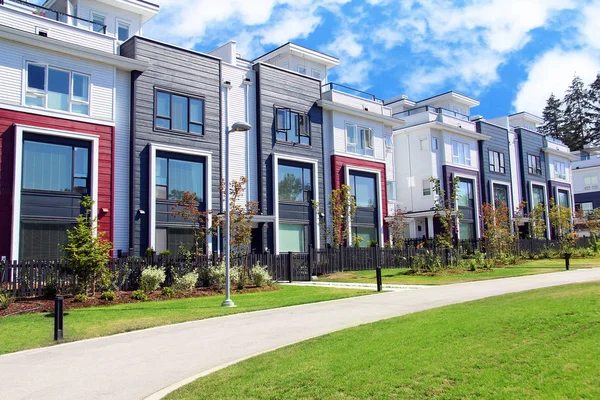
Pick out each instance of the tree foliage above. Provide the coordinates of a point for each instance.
(537, 221)
(445, 210)
(496, 229)
(87, 251)
(561, 220)
(342, 208)
(397, 224)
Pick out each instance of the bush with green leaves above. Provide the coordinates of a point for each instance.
(260, 276)
(6, 298)
(80, 298)
(139, 295)
(215, 276)
(167, 291)
(51, 289)
(108, 295)
(152, 278)
(186, 282)
(427, 261)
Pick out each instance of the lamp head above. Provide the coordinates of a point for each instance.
(240, 127)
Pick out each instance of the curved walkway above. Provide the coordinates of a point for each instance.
(153, 362)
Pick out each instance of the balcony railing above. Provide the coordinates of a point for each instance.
(554, 140)
(454, 114)
(351, 91)
(55, 15)
(437, 110)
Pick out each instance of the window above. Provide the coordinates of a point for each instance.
(40, 240)
(465, 193)
(496, 161)
(294, 183)
(179, 113)
(359, 140)
(424, 144)
(173, 239)
(426, 187)
(391, 191)
(55, 167)
(99, 21)
(57, 89)
(368, 235)
(560, 170)
(434, 143)
(388, 143)
(363, 187)
(590, 182)
(174, 177)
(466, 230)
(466, 204)
(563, 198)
(500, 195)
(292, 126)
(534, 164)
(316, 74)
(292, 238)
(586, 208)
(302, 69)
(537, 195)
(122, 31)
(461, 153)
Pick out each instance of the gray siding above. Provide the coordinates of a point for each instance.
(177, 70)
(280, 88)
(531, 143)
(499, 143)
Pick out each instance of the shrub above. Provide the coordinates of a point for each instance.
(428, 261)
(80, 298)
(149, 252)
(167, 291)
(108, 296)
(215, 276)
(152, 278)
(5, 298)
(185, 283)
(51, 289)
(260, 276)
(165, 253)
(139, 295)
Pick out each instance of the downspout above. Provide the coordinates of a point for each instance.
(247, 112)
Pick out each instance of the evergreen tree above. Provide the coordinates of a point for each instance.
(553, 119)
(578, 116)
(594, 105)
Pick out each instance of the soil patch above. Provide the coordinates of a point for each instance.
(42, 304)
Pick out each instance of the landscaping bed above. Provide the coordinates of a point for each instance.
(42, 304)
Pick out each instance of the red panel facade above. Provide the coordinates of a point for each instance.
(105, 133)
(338, 178)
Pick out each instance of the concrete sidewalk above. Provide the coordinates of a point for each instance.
(352, 285)
(139, 364)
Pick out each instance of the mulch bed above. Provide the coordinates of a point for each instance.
(42, 304)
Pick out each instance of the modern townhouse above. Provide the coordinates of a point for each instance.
(438, 140)
(358, 152)
(64, 117)
(585, 172)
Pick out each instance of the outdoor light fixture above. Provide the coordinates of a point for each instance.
(236, 127)
(105, 210)
(141, 212)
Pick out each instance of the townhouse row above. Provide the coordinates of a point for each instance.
(89, 106)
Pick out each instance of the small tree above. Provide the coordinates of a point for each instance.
(537, 221)
(187, 208)
(87, 251)
(561, 220)
(342, 208)
(553, 118)
(496, 229)
(445, 210)
(397, 224)
(591, 221)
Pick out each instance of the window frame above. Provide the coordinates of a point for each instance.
(35, 92)
(179, 157)
(426, 183)
(353, 174)
(501, 167)
(189, 97)
(466, 153)
(285, 128)
(536, 169)
(591, 185)
(307, 195)
(93, 25)
(558, 166)
(122, 22)
(364, 137)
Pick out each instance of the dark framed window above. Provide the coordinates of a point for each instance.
(496, 161)
(534, 164)
(41, 240)
(537, 195)
(294, 182)
(176, 176)
(174, 238)
(368, 235)
(56, 167)
(500, 195)
(364, 189)
(292, 126)
(563, 198)
(466, 204)
(175, 112)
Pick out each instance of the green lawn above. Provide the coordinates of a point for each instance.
(36, 330)
(402, 276)
(541, 344)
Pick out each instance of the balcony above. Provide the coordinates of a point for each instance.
(354, 98)
(555, 144)
(55, 23)
(425, 114)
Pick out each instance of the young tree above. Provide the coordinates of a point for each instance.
(553, 118)
(87, 251)
(537, 221)
(578, 117)
(496, 229)
(342, 208)
(591, 222)
(445, 210)
(561, 220)
(397, 224)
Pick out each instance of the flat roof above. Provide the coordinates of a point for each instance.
(290, 48)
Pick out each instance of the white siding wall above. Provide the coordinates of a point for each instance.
(112, 15)
(340, 120)
(241, 106)
(122, 157)
(12, 66)
(552, 172)
(28, 22)
(579, 176)
(448, 138)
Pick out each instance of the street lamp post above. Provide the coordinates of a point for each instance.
(236, 127)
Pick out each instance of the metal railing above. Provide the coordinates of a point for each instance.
(454, 114)
(414, 111)
(55, 15)
(351, 91)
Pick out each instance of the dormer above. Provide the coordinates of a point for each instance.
(300, 59)
(525, 120)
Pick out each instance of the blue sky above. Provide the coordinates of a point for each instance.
(509, 54)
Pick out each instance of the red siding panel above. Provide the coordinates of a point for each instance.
(105, 168)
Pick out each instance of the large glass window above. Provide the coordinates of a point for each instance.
(292, 126)
(174, 177)
(41, 240)
(461, 153)
(294, 182)
(359, 140)
(534, 164)
(367, 234)
(465, 193)
(466, 230)
(292, 238)
(179, 113)
(57, 89)
(560, 170)
(173, 239)
(537, 195)
(500, 194)
(55, 167)
(496, 161)
(563, 198)
(362, 187)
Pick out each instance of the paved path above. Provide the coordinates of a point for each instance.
(365, 286)
(138, 364)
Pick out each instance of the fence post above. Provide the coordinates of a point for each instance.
(310, 262)
(567, 257)
(290, 268)
(379, 282)
(58, 317)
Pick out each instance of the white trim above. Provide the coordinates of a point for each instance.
(546, 200)
(55, 114)
(329, 105)
(18, 175)
(347, 169)
(475, 179)
(152, 189)
(315, 184)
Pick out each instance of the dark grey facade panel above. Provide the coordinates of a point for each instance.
(588, 197)
(498, 142)
(180, 71)
(530, 143)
